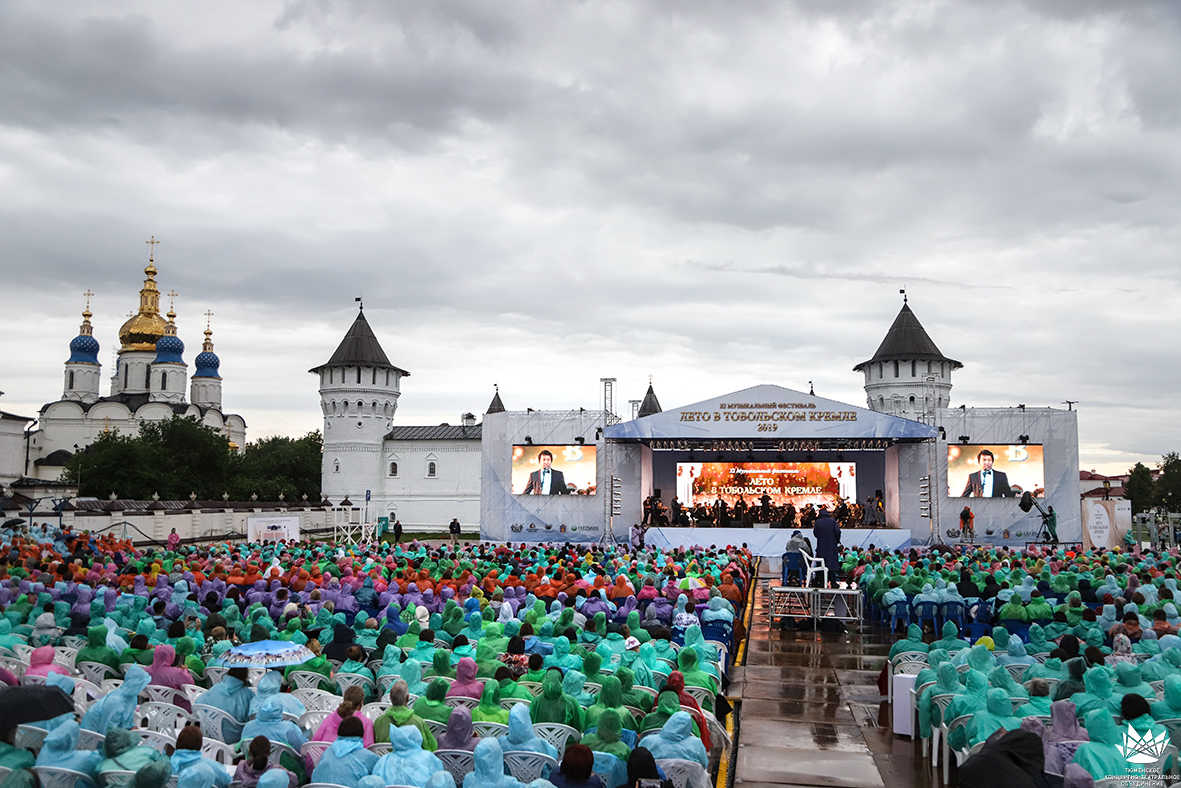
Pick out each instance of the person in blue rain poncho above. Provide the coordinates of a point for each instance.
(346, 761)
(269, 688)
(270, 723)
(489, 771)
(187, 759)
(522, 738)
(562, 658)
(407, 763)
(117, 708)
(59, 751)
(676, 740)
(233, 696)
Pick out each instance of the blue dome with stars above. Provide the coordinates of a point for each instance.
(207, 364)
(84, 349)
(169, 350)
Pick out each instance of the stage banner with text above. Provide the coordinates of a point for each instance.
(1105, 523)
(272, 529)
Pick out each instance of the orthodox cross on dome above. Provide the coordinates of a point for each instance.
(152, 249)
(88, 295)
(208, 317)
(171, 300)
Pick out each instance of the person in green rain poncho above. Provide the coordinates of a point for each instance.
(1073, 608)
(667, 704)
(912, 642)
(410, 639)
(610, 697)
(412, 675)
(486, 661)
(998, 713)
(1000, 678)
(592, 668)
(973, 700)
(1037, 641)
(554, 705)
(399, 714)
(1101, 756)
(139, 652)
(1098, 695)
(1038, 608)
(1013, 610)
(441, 665)
(695, 677)
(946, 683)
(432, 705)
(1039, 700)
(97, 650)
(632, 696)
(951, 642)
(488, 709)
(1130, 682)
(606, 737)
(186, 652)
(562, 658)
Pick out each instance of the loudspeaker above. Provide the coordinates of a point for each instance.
(1026, 501)
(656, 493)
(878, 493)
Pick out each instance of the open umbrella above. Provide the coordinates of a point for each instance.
(31, 703)
(690, 583)
(266, 654)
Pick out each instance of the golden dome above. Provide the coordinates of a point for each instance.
(143, 329)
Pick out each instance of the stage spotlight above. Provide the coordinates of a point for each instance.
(809, 455)
(964, 439)
(779, 456)
(719, 457)
(528, 440)
(598, 433)
(580, 440)
(750, 455)
(1024, 439)
(942, 434)
(692, 456)
(840, 456)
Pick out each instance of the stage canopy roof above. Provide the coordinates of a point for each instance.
(769, 417)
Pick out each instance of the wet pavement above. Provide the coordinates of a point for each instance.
(810, 712)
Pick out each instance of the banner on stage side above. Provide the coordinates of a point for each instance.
(799, 483)
(995, 471)
(272, 529)
(1105, 523)
(554, 470)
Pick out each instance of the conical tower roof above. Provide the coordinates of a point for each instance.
(359, 348)
(496, 406)
(650, 406)
(906, 340)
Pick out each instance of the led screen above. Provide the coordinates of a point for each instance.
(800, 483)
(994, 471)
(554, 470)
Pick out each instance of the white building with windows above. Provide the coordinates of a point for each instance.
(148, 384)
(421, 475)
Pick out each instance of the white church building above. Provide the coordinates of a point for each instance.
(149, 384)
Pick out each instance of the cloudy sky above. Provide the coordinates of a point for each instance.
(539, 194)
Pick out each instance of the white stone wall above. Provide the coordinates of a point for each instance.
(12, 450)
(87, 378)
(169, 381)
(885, 393)
(420, 500)
(357, 417)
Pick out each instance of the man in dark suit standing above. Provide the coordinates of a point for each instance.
(546, 480)
(827, 534)
(987, 483)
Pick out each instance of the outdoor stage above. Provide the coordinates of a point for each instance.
(770, 541)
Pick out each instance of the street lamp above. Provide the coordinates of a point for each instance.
(1107, 489)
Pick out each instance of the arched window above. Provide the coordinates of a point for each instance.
(375, 408)
(336, 466)
(164, 381)
(914, 369)
(125, 377)
(358, 374)
(880, 372)
(430, 470)
(71, 384)
(147, 377)
(895, 369)
(881, 403)
(393, 469)
(912, 402)
(387, 378)
(375, 376)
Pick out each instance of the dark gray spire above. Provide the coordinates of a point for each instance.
(650, 406)
(908, 340)
(360, 348)
(496, 406)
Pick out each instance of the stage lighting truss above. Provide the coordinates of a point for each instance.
(845, 444)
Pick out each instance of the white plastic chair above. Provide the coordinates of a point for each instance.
(211, 719)
(29, 737)
(816, 566)
(64, 656)
(684, 774)
(217, 751)
(461, 702)
(90, 740)
(312, 720)
(346, 680)
(117, 779)
(703, 696)
(1017, 671)
(53, 777)
(303, 679)
(385, 682)
(316, 699)
(508, 703)
(489, 730)
(96, 672)
(534, 687)
(159, 742)
(194, 692)
(162, 717)
(375, 709)
(556, 734)
(278, 750)
(381, 748)
(27, 680)
(314, 751)
(437, 728)
(526, 766)
(459, 763)
(157, 694)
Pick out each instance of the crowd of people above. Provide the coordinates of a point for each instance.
(1065, 655)
(618, 644)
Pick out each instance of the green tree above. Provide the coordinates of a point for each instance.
(275, 465)
(1168, 486)
(1139, 488)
